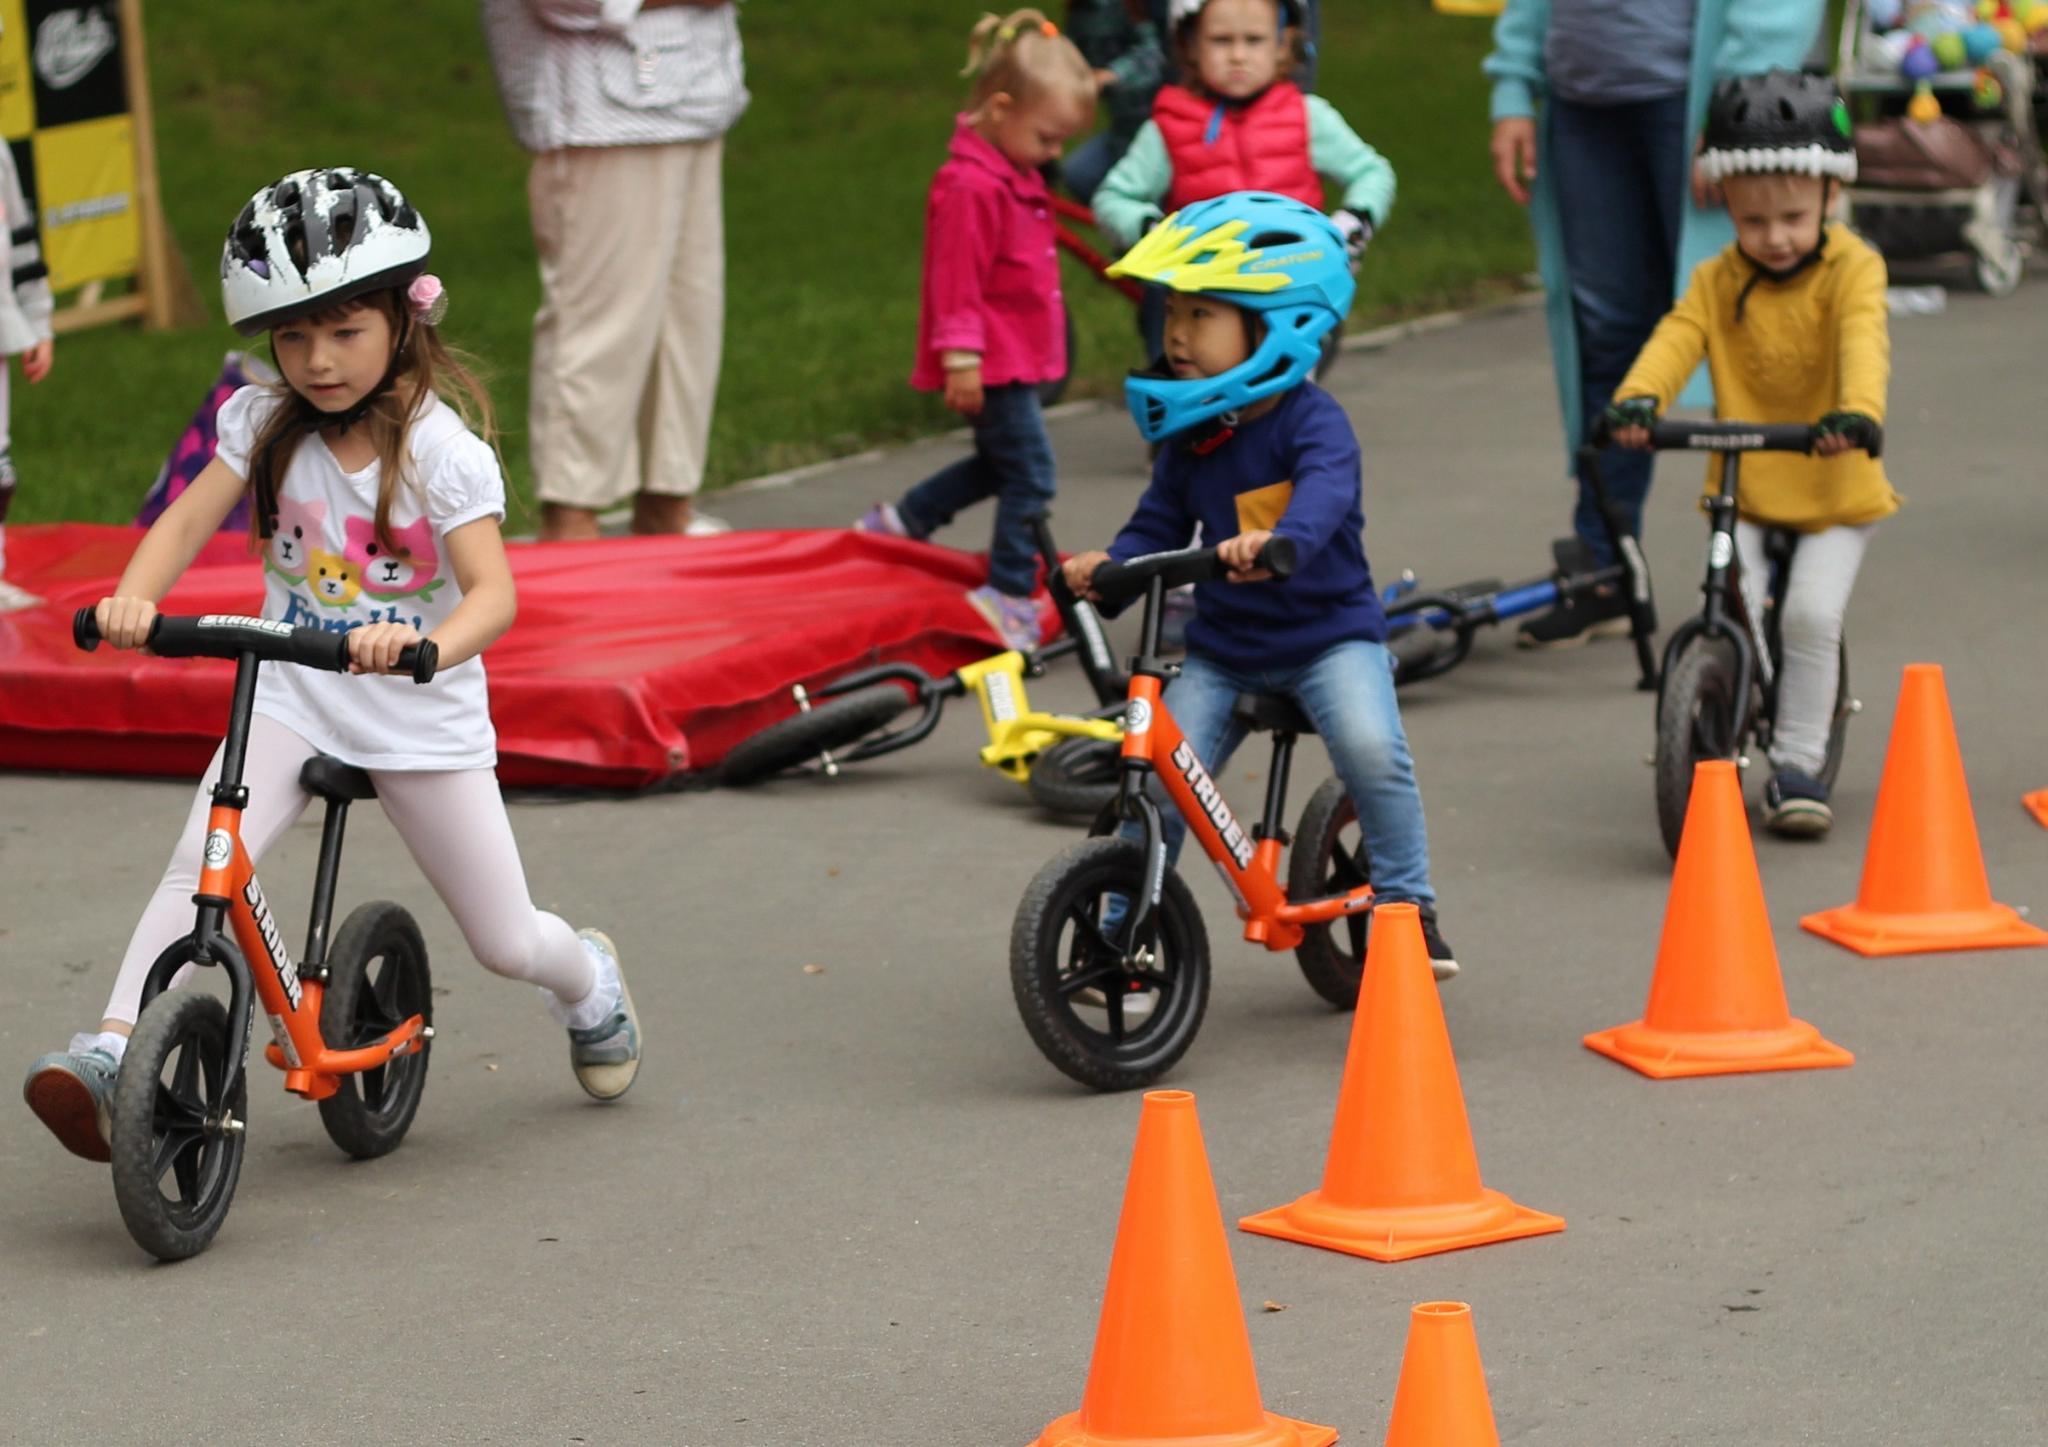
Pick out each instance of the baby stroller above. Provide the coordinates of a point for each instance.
(1973, 182)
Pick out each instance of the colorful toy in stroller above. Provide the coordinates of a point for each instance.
(1948, 152)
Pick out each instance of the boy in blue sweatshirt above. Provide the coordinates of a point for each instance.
(1253, 282)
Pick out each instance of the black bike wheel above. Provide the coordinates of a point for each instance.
(1077, 997)
(1330, 858)
(1838, 726)
(831, 723)
(176, 1155)
(1698, 718)
(1076, 776)
(378, 980)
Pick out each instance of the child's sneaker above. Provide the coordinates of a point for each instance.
(884, 519)
(13, 599)
(1442, 963)
(72, 1092)
(1014, 619)
(606, 1055)
(1602, 614)
(1797, 806)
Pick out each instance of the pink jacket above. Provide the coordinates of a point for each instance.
(991, 270)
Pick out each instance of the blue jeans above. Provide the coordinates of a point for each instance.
(1348, 690)
(1621, 174)
(1089, 162)
(1011, 462)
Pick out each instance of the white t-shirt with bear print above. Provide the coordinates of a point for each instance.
(323, 568)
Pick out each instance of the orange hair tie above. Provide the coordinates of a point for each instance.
(1049, 30)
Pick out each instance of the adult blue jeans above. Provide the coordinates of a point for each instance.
(1348, 690)
(1012, 463)
(1621, 174)
(1087, 164)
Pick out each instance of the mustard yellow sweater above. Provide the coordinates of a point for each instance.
(1812, 345)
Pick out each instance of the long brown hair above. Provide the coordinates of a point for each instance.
(424, 366)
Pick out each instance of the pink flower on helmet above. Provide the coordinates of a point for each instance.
(428, 301)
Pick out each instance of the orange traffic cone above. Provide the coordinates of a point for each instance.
(1717, 1001)
(1402, 1177)
(1924, 886)
(1173, 1360)
(1441, 1401)
(2037, 804)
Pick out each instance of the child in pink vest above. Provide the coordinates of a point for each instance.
(993, 324)
(1237, 123)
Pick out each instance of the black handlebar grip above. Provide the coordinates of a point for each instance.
(85, 628)
(420, 659)
(1279, 556)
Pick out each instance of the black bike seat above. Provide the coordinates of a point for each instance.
(1780, 544)
(335, 781)
(1272, 713)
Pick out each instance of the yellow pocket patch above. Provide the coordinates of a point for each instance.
(1263, 507)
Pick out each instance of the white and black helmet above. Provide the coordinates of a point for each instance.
(315, 239)
(1780, 123)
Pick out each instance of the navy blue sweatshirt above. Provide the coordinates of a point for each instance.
(1296, 471)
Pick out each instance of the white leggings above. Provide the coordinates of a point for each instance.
(452, 821)
(1810, 625)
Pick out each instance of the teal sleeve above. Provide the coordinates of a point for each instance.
(1516, 65)
(1760, 35)
(1337, 153)
(1127, 202)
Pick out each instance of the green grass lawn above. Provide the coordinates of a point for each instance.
(825, 181)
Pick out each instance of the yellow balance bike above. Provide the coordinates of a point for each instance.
(856, 717)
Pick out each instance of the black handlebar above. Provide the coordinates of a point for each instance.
(1670, 436)
(226, 635)
(1115, 582)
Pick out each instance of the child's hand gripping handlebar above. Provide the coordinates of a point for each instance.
(1116, 582)
(1670, 436)
(223, 635)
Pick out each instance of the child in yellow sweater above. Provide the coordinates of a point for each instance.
(1791, 320)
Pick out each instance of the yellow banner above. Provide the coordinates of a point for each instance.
(17, 96)
(90, 220)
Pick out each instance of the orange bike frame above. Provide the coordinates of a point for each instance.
(1249, 866)
(293, 1004)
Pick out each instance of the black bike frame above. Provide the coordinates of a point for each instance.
(1724, 611)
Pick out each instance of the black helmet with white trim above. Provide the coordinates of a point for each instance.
(1780, 123)
(315, 239)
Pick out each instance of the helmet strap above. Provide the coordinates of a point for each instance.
(1779, 275)
(1208, 436)
(309, 419)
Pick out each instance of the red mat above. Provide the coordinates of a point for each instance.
(634, 660)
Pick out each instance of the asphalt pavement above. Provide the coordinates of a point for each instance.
(848, 1203)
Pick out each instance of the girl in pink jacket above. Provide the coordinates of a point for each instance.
(993, 325)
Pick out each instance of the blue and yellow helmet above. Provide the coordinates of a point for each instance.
(1272, 255)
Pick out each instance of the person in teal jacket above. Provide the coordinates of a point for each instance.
(1597, 105)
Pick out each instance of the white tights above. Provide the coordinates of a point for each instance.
(1810, 626)
(452, 821)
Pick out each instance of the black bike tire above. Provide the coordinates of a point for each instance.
(375, 930)
(1086, 870)
(830, 723)
(1702, 675)
(1330, 971)
(198, 1022)
(1838, 726)
(1076, 776)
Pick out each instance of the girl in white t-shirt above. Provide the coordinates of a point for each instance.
(377, 510)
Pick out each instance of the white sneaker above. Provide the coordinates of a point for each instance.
(703, 525)
(14, 599)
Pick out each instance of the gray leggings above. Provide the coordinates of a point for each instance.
(1810, 624)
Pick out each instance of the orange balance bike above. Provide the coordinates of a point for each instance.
(351, 1022)
(1109, 960)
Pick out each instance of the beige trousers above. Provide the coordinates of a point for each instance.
(627, 341)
